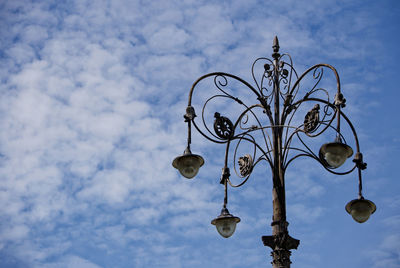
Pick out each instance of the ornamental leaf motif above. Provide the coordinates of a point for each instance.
(311, 119)
(245, 165)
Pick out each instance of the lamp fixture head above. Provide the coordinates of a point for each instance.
(334, 154)
(188, 164)
(360, 209)
(225, 223)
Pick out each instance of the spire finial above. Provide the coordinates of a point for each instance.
(275, 44)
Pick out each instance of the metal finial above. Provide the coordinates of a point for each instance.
(275, 44)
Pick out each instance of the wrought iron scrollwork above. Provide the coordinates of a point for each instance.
(250, 126)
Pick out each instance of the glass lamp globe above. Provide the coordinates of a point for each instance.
(188, 164)
(334, 154)
(360, 209)
(225, 223)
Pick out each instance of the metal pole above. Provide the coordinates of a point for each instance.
(280, 241)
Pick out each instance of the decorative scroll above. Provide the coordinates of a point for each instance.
(223, 127)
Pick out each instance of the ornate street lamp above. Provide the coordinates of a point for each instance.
(275, 133)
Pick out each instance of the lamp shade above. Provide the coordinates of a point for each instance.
(225, 223)
(188, 164)
(334, 154)
(360, 209)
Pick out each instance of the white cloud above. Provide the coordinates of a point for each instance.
(16, 232)
(169, 39)
(73, 261)
(305, 214)
(388, 252)
(108, 186)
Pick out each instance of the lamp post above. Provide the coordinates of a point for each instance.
(279, 99)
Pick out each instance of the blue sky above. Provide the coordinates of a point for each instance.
(92, 98)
